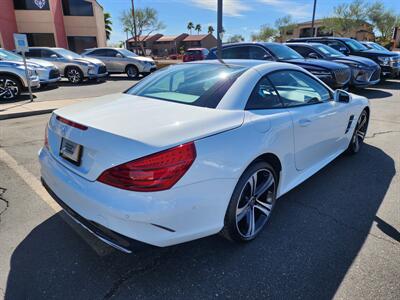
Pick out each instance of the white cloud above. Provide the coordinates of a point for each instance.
(233, 8)
(289, 7)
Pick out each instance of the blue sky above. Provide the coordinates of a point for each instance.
(240, 16)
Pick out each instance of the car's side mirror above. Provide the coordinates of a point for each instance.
(313, 55)
(344, 50)
(341, 96)
(53, 56)
(119, 55)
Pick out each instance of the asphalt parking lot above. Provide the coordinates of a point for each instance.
(334, 236)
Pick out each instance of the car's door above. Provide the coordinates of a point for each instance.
(319, 123)
(101, 54)
(54, 58)
(116, 61)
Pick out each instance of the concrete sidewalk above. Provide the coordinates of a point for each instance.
(26, 108)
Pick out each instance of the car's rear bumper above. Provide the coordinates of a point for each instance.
(159, 218)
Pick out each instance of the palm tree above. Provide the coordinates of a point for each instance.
(108, 23)
(190, 26)
(210, 29)
(198, 28)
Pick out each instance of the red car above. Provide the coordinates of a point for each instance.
(193, 54)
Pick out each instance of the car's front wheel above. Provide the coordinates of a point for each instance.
(10, 87)
(132, 72)
(359, 134)
(251, 203)
(74, 75)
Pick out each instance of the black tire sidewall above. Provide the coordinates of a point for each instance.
(230, 230)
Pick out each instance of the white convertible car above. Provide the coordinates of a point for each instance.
(196, 149)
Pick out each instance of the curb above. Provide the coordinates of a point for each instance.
(26, 114)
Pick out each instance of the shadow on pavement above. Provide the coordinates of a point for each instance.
(312, 240)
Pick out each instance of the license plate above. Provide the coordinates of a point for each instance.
(71, 151)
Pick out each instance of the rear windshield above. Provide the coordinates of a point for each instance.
(193, 84)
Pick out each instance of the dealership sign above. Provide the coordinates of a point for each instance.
(40, 3)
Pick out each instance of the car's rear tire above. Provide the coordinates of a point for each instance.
(252, 202)
(74, 75)
(132, 71)
(360, 131)
(10, 87)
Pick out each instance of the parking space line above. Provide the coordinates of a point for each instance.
(38, 188)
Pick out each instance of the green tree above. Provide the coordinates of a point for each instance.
(284, 25)
(347, 17)
(210, 29)
(236, 38)
(266, 33)
(146, 20)
(108, 23)
(384, 20)
(198, 28)
(190, 27)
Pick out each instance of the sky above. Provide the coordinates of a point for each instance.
(240, 16)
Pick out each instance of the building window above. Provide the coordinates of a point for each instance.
(41, 39)
(322, 31)
(306, 32)
(77, 8)
(79, 43)
(32, 4)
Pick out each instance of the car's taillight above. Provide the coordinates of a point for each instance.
(156, 172)
(46, 136)
(70, 123)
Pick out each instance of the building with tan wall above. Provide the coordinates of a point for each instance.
(73, 24)
(363, 33)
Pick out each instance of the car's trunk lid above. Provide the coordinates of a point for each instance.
(123, 127)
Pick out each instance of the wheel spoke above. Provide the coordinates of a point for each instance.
(251, 222)
(363, 120)
(242, 212)
(360, 134)
(265, 186)
(253, 184)
(265, 208)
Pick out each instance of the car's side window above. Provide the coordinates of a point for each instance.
(264, 96)
(303, 51)
(238, 52)
(33, 53)
(98, 52)
(47, 53)
(111, 53)
(297, 88)
(256, 52)
(336, 45)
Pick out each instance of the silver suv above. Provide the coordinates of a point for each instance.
(120, 60)
(48, 72)
(72, 65)
(13, 79)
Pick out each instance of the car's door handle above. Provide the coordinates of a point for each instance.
(304, 122)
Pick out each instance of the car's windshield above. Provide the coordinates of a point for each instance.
(378, 47)
(328, 51)
(127, 52)
(67, 53)
(194, 84)
(283, 52)
(355, 45)
(7, 55)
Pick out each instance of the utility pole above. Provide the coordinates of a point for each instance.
(313, 18)
(219, 29)
(134, 26)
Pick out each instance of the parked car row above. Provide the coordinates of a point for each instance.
(50, 64)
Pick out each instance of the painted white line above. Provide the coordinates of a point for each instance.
(35, 184)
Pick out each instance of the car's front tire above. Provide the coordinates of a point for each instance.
(360, 131)
(132, 72)
(252, 202)
(74, 75)
(10, 87)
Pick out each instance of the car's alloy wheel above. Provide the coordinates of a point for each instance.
(359, 134)
(251, 203)
(132, 72)
(74, 75)
(9, 88)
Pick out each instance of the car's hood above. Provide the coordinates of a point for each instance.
(356, 59)
(317, 63)
(40, 63)
(89, 60)
(374, 52)
(150, 121)
(12, 63)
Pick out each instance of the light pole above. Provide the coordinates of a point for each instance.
(219, 29)
(134, 26)
(313, 18)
